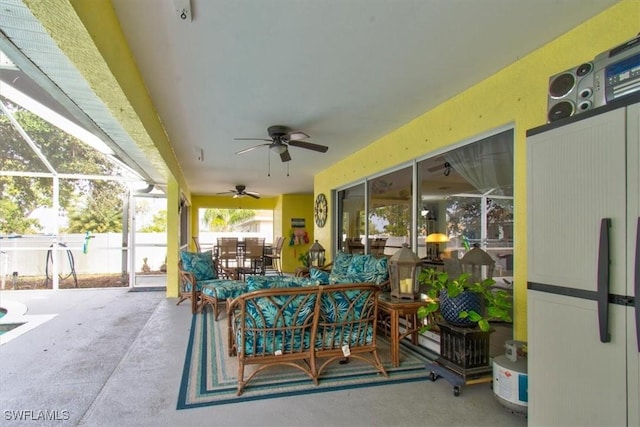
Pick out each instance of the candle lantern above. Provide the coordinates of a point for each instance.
(316, 255)
(404, 268)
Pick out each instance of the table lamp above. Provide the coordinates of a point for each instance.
(437, 238)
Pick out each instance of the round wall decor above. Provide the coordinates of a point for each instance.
(321, 210)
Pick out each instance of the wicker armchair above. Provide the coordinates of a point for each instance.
(208, 291)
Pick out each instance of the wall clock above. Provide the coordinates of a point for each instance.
(321, 210)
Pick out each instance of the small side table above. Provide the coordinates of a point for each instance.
(394, 308)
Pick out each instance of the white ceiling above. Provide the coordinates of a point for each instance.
(345, 72)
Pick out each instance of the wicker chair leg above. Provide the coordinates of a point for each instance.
(216, 310)
(194, 305)
(241, 382)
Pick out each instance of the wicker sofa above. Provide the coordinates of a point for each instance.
(294, 322)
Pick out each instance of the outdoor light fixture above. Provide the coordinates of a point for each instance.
(316, 255)
(437, 238)
(279, 148)
(404, 267)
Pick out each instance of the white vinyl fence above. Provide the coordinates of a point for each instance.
(28, 255)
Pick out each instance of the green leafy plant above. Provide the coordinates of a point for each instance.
(304, 259)
(496, 302)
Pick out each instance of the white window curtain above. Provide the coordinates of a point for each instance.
(486, 164)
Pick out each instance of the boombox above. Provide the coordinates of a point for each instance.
(617, 72)
(570, 92)
(612, 74)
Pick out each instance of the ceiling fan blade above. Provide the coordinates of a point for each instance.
(285, 156)
(309, 146)
(254, 195)
(252, 139)
(246, 150)
(226, 192)
(297, 136)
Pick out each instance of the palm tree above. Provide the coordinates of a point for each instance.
(226, 219)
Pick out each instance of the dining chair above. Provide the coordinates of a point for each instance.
(377, 246)
(196, 242)
(228, 255)
(252, 261)
(276, 255)
(354, 245)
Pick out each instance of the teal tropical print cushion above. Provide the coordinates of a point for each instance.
(338, 279)
(291, 316)
(343, 312)
(377, 269)
(320, 275)
(341, 263)
(200, 264)
(358, 264)
(223, 289)
(255, 283)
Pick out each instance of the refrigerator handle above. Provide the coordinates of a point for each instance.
(603, 280)
(636, 285)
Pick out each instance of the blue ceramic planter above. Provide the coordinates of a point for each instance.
(450, 308)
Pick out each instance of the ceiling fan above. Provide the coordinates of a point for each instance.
(280, 139)
(240, 192)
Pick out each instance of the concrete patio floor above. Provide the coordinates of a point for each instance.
(110, 357)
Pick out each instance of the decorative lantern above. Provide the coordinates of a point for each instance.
(316, 255)
(478, 263)
(404, 267)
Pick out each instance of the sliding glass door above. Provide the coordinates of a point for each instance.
(464, 197)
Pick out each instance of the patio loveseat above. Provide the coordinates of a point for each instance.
(302, 325)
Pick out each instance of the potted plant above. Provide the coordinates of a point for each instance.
(462, 302)
(305, 260)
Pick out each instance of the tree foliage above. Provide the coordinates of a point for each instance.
(464, 215)
(226, 219)
(21, 195)
(158, 225)
(398, 218)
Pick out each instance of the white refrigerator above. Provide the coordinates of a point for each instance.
(583, 219)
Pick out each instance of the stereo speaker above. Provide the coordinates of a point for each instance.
(570, 92)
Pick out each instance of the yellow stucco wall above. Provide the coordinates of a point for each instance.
(516, 95)
(295, 206)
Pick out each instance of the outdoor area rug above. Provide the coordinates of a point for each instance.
(210, 375)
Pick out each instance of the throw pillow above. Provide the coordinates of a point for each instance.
(319, 275)
(341, 263)
(200, 264)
